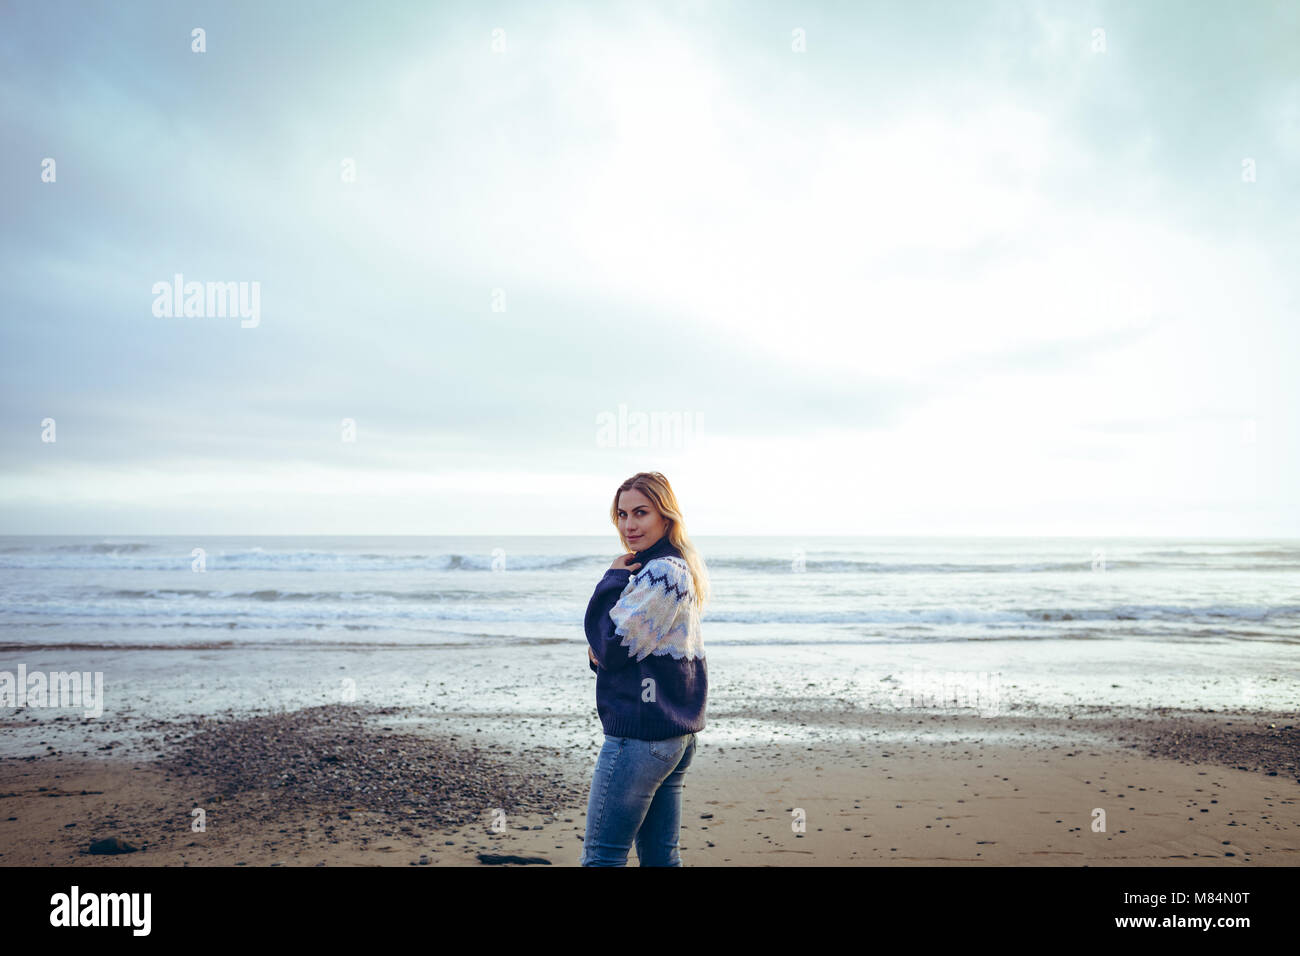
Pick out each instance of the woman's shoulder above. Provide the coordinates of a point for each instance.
(669, 570)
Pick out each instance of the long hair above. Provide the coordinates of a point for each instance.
(655, 486)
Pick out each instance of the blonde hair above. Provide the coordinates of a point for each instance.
(655, 486)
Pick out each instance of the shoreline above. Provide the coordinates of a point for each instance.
(345, 784)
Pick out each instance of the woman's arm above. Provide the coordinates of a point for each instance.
(622, 563)
(601, 639)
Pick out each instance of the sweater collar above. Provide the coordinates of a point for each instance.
(657, 550)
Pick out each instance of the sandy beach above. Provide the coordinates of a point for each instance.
(330, 786)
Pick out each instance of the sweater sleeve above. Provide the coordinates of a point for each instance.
(599, 625)
(645, 615)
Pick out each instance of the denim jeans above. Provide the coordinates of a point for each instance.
(636, 794)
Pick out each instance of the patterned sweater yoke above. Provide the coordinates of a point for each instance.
(656, 613)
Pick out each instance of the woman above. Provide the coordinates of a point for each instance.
(643, 635)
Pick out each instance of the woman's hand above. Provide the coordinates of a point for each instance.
(621, 562)
(592, 656)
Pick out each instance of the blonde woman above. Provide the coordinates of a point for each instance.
(643, 636)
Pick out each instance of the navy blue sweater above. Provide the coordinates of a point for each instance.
(644, 630)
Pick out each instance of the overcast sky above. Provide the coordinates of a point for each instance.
(951, 268)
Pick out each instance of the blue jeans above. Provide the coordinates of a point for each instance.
(636, 794)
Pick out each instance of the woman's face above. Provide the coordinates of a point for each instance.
(639, 520)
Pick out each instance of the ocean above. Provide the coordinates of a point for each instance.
(480, 625)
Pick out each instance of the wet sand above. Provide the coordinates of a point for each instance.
(351, 785)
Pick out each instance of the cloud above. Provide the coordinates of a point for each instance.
(945, 241)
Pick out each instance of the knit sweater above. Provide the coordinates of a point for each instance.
(644, 630)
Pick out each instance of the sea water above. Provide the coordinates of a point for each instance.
(477, 627)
